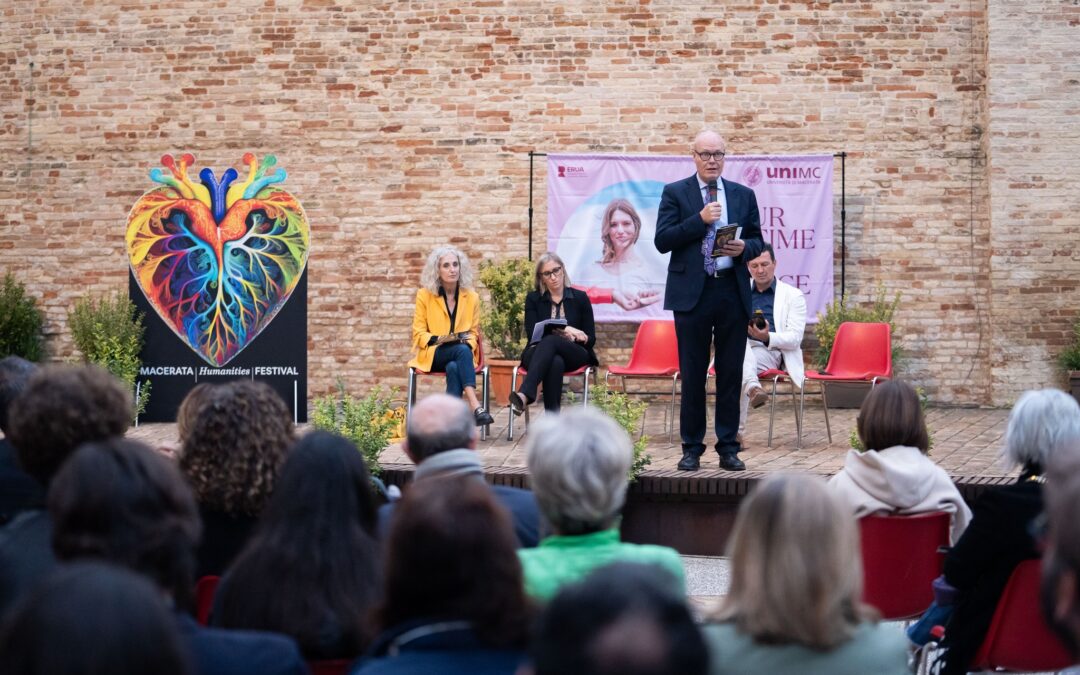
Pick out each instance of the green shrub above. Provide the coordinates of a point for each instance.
(836, 313)
(503, 317)
(109, 332)
(369, 422)
(1070, 358)
(20, 322)
(627, 413)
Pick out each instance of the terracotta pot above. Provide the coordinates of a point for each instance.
(500, 371)
(846, 394)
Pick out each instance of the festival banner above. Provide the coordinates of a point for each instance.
(602, 220)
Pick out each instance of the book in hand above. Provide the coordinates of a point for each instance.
(542, 328)
(724, 235)
(455, 337)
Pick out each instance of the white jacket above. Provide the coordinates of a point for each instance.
(786, 333)
(899, 480)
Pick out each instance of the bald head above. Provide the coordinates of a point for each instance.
(707, 136)
(439, 423)
(708, 151)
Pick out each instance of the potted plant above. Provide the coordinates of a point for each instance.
(1070, 362)
(628, 413)
(109, 332)
(845, 394)
(502, 321)
(370, 422)
(20, 322)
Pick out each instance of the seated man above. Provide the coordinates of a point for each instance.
(779, 343)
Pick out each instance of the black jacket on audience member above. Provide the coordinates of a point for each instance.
(18, 490)
(223, 537)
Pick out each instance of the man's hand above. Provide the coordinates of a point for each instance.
(761, 334)
(733, 248)
(712, 212)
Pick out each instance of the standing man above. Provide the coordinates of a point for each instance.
(709, 296)
(779, 343)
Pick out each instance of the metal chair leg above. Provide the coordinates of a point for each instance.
(486, 379)
(410, 394)
(585, 396)
(513, 388)
(671, 415)
(798, 417)
(772, 408)
(825, 405)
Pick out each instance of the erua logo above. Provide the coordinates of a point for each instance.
(570, 171)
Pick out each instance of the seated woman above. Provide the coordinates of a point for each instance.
(561, 350)
(796, 583)
(452, 598)
(445, 323)
(311, 570)
(893, 474)
(1042, 424)
(579, 462)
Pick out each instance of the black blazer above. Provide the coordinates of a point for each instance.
(680, 230)
(576, 309)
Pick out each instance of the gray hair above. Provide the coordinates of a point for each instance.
(1041, 422)
(439, 423)
(545, 258)
(579, 462)
(429, 276)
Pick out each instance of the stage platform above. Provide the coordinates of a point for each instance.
(694, 511)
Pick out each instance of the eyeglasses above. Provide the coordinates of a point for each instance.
(709, 156)
(554, 272)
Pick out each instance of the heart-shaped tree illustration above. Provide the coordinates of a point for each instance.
(217, 259)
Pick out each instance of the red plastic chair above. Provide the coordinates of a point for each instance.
(481, 370)
(655, 355)
(902, 555)
(205, 588)
(861, 352)
(584, 371)
(1018, 638)
(329, 667)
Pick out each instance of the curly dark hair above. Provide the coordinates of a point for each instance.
(188, 412)
(235, 449)
(63, 407)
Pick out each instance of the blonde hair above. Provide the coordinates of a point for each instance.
(429, 276)
(796, 570)
(605, 226)
(544, 259)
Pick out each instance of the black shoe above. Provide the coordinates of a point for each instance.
(517, 402)
(731, 462)
(482, 417)
(689, 462)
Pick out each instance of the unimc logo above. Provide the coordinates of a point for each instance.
(751, 175)
(570, 171)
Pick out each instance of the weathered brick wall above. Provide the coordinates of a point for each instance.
(404, 124)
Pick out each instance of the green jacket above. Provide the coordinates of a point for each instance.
(561, 560)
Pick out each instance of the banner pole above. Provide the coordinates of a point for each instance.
(531, 155)
(843, 222)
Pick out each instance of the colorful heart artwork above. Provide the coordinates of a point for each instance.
(219, 258)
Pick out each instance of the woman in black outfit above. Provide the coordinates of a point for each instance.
(562, 350)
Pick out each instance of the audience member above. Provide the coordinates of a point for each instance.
(311, 570)
(121, 502)
(999, 537)
(893, 474)
(231, 458)
(441, 439)
(796, 583)
(1061, 561)
(61, 408)
(18, 491)
(453, 600)
(622, 619)
(92, 619)
(579, 462)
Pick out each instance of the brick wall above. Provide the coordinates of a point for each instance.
(405, 124)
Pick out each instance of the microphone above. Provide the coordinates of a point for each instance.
(712, 191)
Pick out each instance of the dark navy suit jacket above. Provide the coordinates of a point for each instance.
(680, 230)
(239, 652)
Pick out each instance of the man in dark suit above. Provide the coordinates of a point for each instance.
(709, 296)
(441, 440)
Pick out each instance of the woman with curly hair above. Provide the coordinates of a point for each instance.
(445, 325)
(231, 457)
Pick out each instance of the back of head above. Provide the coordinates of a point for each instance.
(579, 462)
(15, 372)
(437, 424)
(892, 415)
(236, 447)
(191, 407)
(622, 619)
(796, 571)
(313, 555)
(451, 555)
(1042, 421)
(121, 502)
(61, 408)
(92, 619)
(1060, 592)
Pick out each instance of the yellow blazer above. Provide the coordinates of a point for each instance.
(431, 318)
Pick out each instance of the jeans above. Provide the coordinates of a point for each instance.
(456, 361)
